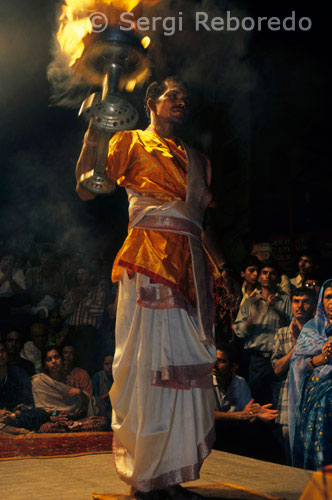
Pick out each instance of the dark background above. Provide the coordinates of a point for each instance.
(260, 111)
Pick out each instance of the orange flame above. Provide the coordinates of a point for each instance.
(75, 23)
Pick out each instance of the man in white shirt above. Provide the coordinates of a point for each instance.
(33, 348)
(235, 409)
(305, 266)
(249, 272)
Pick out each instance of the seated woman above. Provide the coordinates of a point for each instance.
(102, 382)
(70, 408)
(310, 389)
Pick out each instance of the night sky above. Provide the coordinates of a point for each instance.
(260, 111)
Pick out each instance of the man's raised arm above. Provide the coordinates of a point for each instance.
(86, 161)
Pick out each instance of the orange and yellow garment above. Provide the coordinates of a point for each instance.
(143, 162)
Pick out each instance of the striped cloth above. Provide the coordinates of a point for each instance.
(86, 311)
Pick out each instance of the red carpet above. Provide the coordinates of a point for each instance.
(54, 445)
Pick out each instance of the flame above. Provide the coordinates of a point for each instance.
(146, 41)
(131, 84)
(75, 23)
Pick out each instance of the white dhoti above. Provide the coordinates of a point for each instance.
(163, 407)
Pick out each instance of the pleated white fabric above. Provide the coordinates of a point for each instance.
(162, 433)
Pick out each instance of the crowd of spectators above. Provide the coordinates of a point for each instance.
(57, 322)
(280, 329)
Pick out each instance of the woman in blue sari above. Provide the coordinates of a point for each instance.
(310, 389)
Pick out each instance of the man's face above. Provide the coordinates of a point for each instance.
(302, 308)
(68, 354)
(172, 104)
(268, 278)
(13, 342)
(38, 335)
(3, 355)
(327, 302)
(250, 275)
(222, 366)
(82, 276)
(305, 264)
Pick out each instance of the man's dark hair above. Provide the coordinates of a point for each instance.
(157, 88)
(230, 350)
(308, 252)
(314, 275)
(303, 290)
(249, 261)
(11, 330)
(273, 264)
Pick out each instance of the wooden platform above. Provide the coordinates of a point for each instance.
(74, 478)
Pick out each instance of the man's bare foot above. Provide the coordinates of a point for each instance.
(147, 495)
(177, 492)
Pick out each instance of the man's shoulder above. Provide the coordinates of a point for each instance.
(126, 135)
(283, 332)
(26, 364)
(237, 379)
(283, 297)
(296, 281)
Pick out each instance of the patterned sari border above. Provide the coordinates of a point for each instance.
(156, 279)
(170, 224)
(176, 476)
(183, 377)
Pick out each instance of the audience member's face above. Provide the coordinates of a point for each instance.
(3, 356)
(313, 285)
(222, 366)
(68, 354)
(250, 275)
(13, 342)
(54, 319)
(82, 276)
(7, 263)
(268, 277)
(305, 264)
(53, 362)
(108, 361)
(302, 308)
(38, 335)
(327, 302)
